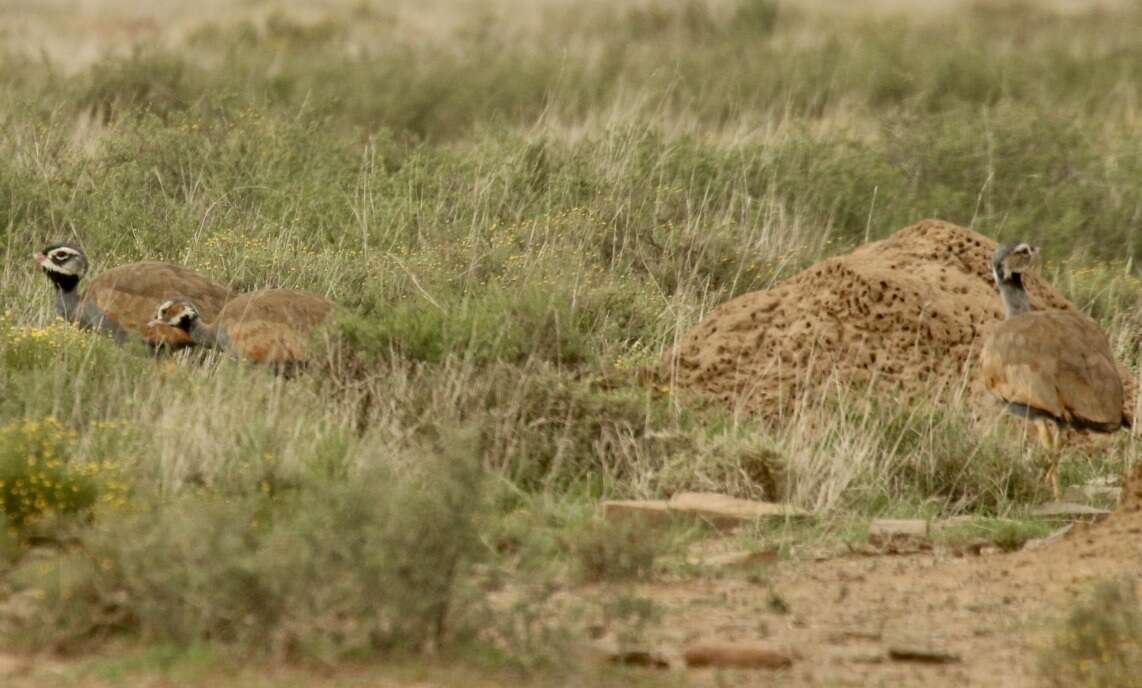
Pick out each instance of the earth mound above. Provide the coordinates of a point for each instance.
(903, 315)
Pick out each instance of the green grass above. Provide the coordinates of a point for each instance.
(517, 212)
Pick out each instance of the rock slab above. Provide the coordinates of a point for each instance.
(735, 655)
(721, 511)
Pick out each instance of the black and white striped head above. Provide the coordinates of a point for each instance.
(65, 264)
(180, 314)
(1013, 258)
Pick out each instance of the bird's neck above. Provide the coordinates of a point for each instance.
(1013, 294)
(203, 334)
(67, 297)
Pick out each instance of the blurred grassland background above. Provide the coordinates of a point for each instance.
(514, 203)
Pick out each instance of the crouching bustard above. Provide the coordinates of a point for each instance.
(268, 326)
(1052, 367)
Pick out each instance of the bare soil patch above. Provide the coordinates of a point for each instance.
(945, 618)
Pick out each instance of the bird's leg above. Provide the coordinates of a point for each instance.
(1049, 437)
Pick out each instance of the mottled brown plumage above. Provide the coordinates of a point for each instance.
(129, 295)
(1053, 367)
(1058, 363)
(271, 326)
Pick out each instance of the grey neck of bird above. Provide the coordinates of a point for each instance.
(88, 315)
(205, 335)
(1013, 294)
(67, 303)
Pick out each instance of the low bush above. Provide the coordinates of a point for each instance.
(380, 563)
(40, 478)
(1100, 644)
(607, 551)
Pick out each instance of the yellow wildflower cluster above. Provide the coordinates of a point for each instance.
(31, 346)
(39, 477)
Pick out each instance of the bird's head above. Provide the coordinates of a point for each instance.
(1014, 258)
(63, 263)
(180, 314)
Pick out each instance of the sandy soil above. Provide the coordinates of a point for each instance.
(841, 617)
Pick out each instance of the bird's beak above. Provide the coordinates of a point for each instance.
(154, 322)
(39, 257)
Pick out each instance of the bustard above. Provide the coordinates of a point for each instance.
(270, 326)
(1052, 367)
(121, 301)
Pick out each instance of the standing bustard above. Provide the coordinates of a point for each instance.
(1052, 367)
(121, 301)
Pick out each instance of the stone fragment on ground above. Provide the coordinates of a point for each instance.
(641, 512)
(1070, 510)
(893, 533)
(741, 559)
(721, 511)
(1049, 539)
(609, 651)
(736, 655)
(725, 511)
(921, 653)
(1092, 494)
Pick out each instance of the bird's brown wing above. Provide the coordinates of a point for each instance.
(262, 341)
(1058, 362)
(130, 294)
(298, 309)
(273, 325)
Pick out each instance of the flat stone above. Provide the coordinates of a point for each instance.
(884, 530)
(1070, 510)
(643, 512)
(1105, 481)
(724, 511)
(735, 655)
(742, 559)
(922, 654)
(608, 651)
(1092, 494)
(899, 535)
(1049, 539)
(640, 658)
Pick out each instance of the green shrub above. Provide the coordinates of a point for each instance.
(37, 475)
(30, 348)
(378, 563)
(606, 551)
(1100, 645)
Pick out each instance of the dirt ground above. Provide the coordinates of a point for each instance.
(994, 612)
(841, 617)
(838, 617)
